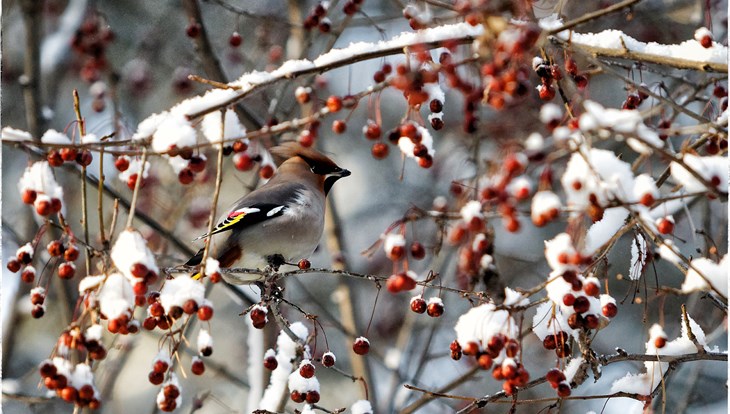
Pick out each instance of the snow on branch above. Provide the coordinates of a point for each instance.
(250, 82)
(689, 54)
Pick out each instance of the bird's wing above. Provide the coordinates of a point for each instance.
(257, 207)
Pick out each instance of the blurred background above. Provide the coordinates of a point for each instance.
(138, 65)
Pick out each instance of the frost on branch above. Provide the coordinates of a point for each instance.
(286, 353)
(645, 383)
(211, 127)
(136, 262)
(713, 169)
(704, 275)
(38, 186)
(689, 50)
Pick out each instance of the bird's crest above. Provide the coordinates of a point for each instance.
(287, 150)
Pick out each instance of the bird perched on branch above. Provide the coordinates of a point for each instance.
(281, 221)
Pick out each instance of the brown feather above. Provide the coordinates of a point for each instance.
(229, 256)
(292, 149)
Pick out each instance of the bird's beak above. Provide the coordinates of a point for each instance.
(344, 173)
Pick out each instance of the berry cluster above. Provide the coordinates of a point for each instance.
(90, 43)
(258, 315)
(318, 18)
(433, 308)
(72, 383)
(170, 396)
(556, 378)
(304, 386)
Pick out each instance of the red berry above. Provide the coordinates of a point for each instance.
(591, 289)
(149, 323)
(43, 207)
(547, 92)
(29, 196)
(361, 346)
(484, 361)
(235, 40)
(37, 312)
(334, 103)
(425, 162)
(568, 299)
(328, 359)
(372, 130)
(122, 164)
(205, 313)
(563, 390)
(312, 397)
(304, 264)
(266, 171)
(196, 164)
(198, 367)
(84, 158)
(581, 304)
(66, 270)
(54, 159)
(297, 397)
(379, 150)
(555, 377)
(13, 265)
(418, 305)
(193, 30)
(156, 378)
(190, 306)
(132, 182)
(271, 363)
(68, 154)
(435, 309)
(418, 252)
(660, 342)
(665, 226)
(549, 342)
(306, 370)
(339, 126)
(609, 310)
(243, 161)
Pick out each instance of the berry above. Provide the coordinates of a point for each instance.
(418, 252)
(71, 253)
(665, 226)
(361, 346)
(28, 275)
(37, 312)
(379, 150)
(306, 370)
(190, 306)
(568, 299)
(54, 159)
(258, 317)
(547, 92)
(339, 126)
(304, 264)
(205, 313)
(198, 367)
(68, 154)
(554, 377)
(328, 359)
(297, 397)
(132, 182)
(484, 361)
(271, 363)
(235, 40)
(660, 342)
(156, 378)
(436, 106)
(66, 270)
(549, 342)
(418, 305)
(29, 196)
(591, 289)
(196, 164)
(581, 304)
(372, 130)
(84, 158)
(563, 390)
(312, 397)
(193, 30)
(13, 265)
(43, 207)
(334, 103)
(242, 161)
(435, 308)
(609, 310)
(55, 248)
(266, 171)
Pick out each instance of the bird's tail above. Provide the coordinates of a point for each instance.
(194, 261)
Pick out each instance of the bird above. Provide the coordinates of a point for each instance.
(280, 222)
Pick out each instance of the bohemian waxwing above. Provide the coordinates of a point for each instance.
(281, 221)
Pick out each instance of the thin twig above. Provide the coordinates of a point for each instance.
(137, 185)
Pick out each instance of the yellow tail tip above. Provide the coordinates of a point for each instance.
(197, 276)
